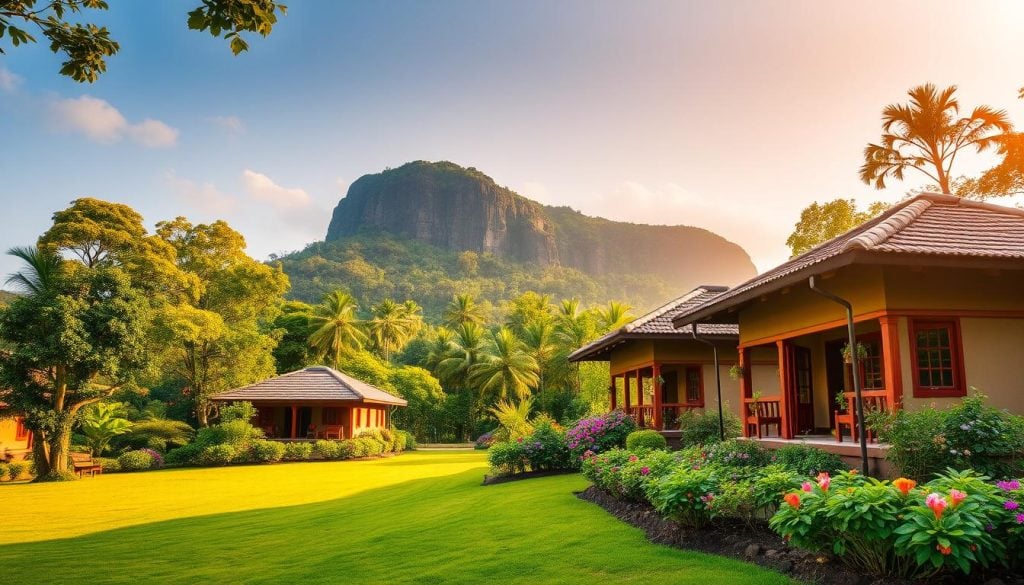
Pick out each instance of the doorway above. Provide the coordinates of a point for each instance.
(835, 374)
(302, 421)
(801, 381)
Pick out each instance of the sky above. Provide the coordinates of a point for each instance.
(731, 116)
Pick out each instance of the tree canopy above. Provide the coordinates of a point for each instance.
(820, 222)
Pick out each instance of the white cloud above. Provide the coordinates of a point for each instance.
(263, 188)
(8, 81)
(103, 123)
(233, 124)
(204, 197)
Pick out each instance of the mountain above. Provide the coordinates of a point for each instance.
(428, 230)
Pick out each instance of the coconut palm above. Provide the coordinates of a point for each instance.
(467, 346)
(927, 134)
(102, 422)
(506, 369)
(391, 327)
(513, 419)
(540, 342)
(463, 309)
(614, 315)
(43, 270)
(336, 328)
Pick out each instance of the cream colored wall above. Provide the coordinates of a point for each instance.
(631, 354)
(947, 289)
(730, 389)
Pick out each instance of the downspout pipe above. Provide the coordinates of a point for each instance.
(718, 380)
(852, 341)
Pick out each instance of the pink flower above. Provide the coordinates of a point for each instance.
(1020, 518)
(824, 480)
(806, 486)
(937, 503)
(645, 470)
(633, 457)
(1008, 485)
(1010, 505)
(955, 497)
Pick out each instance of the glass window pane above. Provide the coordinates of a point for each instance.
(947, 378)
(924, 378)
(943, 337)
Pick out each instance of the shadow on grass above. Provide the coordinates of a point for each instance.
(443, 529)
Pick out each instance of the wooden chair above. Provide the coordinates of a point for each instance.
(83, 464)
(332, 431)
(873, 400)
(763, 414)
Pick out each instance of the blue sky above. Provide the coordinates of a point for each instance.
(731, 116)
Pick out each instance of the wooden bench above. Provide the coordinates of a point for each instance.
(83, 463)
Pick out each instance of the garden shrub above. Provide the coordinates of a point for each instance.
(237, 433)
(15, 469)
(967, 435)
(605, 469)
(484, 441)
(136, 460)
(701, 428)
(376, 444)
(546, 448)
(507, 458)
(600, 433)
(646, 439)
(3, 471)
(217, 455)
(639, 470)
(238, 411)
(185, 455)
(358, 448)
(346, 449)
(686, 495)
(808, 460)
(297, 451)
(108, 464)
(264, 451)
(410, 441)
(325, 449)
(159, 434)
(400, 442)
(738, 453)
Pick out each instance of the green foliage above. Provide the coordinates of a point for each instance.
(156, 434)
(219, 455)
(235, 17)
(3, 471)
(600, 433)
(808, 460)
(293, 352)
(109, 464)
(703, 428)
(738, 453)
(135, 461)
(189, 454)
(507, 458)
(686, 495)
(264, 451)
(101, 422)
(325, 449)
(297, 451)
(505, 369)
(545, 449)
(238, 433)
(377, 444)
(238, 411)
(513, 419)
(967, 435)
(335, 328)
(15, 469)
(645, 440)
(821, 222)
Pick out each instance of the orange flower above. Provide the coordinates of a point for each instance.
(793, 499)
(945, 550)
(904, 485)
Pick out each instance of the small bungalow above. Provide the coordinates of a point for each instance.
(316, 403)
(935, 288)
(15, 439)
(657, 372)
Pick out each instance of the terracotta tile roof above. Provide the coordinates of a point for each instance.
(658, 323)
(313, 384)
(929, 224)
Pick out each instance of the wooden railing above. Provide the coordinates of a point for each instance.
(643, 415)
(670, 414)
(873, 400)
(762, 413)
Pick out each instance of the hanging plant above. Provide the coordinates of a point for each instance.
(736, 372)
(862, 352)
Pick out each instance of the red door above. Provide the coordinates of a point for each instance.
(802, 388)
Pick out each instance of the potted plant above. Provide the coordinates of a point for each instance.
(841, 403)
(862, 352)
(736, 372)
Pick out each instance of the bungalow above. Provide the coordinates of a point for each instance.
(317, 402)
(658, 372)
(15, 439)
(934, 291)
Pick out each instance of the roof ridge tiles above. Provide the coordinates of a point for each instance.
(885, 229)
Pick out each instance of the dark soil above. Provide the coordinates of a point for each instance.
(491, 480)
(759, 545)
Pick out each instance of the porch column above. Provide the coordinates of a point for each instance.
(295, 419)
(891, 360)
(625, 390)
(658, 415)
(746, 386)
(784, 411)
(612, 392)
(639, 399)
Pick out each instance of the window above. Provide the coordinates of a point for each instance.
(872, 367)
(694, 385)
(332, 416)
(21, 433)
(937, 359)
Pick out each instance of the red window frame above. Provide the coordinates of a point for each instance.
(686, 370)
(20, 433)
(872, 361)
(956, 363)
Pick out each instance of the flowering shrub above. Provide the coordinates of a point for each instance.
(605, 469)
(484, 441)
(158, 459)
(738, 453)
(645, 439)
(507, 458)
(702, 428)
(546, 448)
(600, 433)
(136, 460)
(686, 495)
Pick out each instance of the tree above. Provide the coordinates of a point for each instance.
(221, 338)
(927, 135)
(820, 222)
(529, 307)
(335, 327)
(77, 335)
(293, 351)
(614, 315)
(87, 46)
(1007, 177)
(391, 326)
(463, 309)
(100, 423)
(506, 368)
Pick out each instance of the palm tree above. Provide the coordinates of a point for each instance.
(614, 315)
(506, 369)
(336, 329)
(539, 339)
(467, 347)
(43, 270)
(513, 418)
(463, 309)
(927, 134)
(391, 327)
(442, 346)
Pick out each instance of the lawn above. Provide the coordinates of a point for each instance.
(419, 518)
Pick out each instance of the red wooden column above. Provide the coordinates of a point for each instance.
(612, 392)
(891, 360)
(655, 374)
(784, 404)
(746, 387)
(639, 399)
(295, 419)
(625, 390)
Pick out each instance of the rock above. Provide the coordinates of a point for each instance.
(771, 553)
(752, 550)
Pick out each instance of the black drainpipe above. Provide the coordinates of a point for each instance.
(856, 374)
(718, 380)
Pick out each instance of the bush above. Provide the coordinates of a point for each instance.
(296, 451)
(15, 469)
(484, 441)
(264, 451)
(108, 464)
(507, 458)
(599, 434)
(686, 495)
(546, 448)
(808, 460)
(184, 455)
(646, 439)
(410, 441)
(238, 411)
(155, 434)
(3, 471)
(702, 428)
(968, 435)
(325, 449)
(136, 461)
(237, 433)
(376, 444)
(738, 453)
(640, 470)
(358, 448)
(605, 469)
(346, 449)
(402, 439)
(218, 455)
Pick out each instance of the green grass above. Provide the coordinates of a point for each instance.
(419, 518)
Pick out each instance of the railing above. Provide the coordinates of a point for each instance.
(643, 415)
(670, 414)
(762, 413)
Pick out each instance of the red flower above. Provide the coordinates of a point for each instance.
(904, 485)
(945, 550)
(937, 504)
(793, 499)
